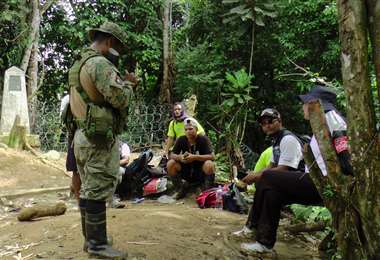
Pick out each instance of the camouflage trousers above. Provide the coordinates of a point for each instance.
(98, 167)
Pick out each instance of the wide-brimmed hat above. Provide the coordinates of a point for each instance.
(269, 113)
(110, 28)
(325, 94)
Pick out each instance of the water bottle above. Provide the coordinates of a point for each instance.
(219, 198)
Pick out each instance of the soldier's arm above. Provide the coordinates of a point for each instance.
(108, 82)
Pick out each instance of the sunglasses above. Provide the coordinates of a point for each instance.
(268, 122)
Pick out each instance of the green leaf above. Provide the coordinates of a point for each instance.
(229, 102)
(230, 19)
(241, 9)
(259, 21)
(230, 1)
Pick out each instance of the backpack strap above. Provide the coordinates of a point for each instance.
(79, 87)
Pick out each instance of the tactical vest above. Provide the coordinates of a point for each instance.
(277, 153)
(100, 122)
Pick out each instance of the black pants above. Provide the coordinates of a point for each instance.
(275, 190)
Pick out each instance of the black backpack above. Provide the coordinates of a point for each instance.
(233, 201)
(135, 177)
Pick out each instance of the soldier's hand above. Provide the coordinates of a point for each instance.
(131, 77)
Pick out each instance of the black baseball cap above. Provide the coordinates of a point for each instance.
(325, 94)
(269, 113)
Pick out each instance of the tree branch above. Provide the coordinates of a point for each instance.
(46, 6)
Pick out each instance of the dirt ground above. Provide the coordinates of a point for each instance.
(149, 230)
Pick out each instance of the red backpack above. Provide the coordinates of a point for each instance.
(207, 199)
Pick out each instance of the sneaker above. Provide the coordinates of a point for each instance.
(245, 232)
(256, 248)
(115, 203)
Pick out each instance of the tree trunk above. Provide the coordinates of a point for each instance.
(253, 3)
(373, 7)
(32, 83)
(353, 32)
(165, 95)
(335, 189)
(34, 28)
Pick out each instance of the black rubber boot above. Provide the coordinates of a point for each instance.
(96, 230)
(209, 182)
(82, 208)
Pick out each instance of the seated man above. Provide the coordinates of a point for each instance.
(176, 126)
(276, 188)
(125, 153)
(287, 164)
(191, 160)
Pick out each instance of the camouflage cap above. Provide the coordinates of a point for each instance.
(110, 28)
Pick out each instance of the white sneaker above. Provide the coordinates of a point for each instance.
(256, 248)
(244, 232)
(115, 202)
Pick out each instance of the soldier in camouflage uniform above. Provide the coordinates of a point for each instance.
(98, 99)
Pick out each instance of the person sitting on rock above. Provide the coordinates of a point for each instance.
(191, 160)
(288, 167)
(277, 187)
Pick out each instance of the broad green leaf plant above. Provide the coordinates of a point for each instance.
(235, 106)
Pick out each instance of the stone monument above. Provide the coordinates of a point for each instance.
(14, 100)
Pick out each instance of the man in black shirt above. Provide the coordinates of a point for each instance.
(191, 160)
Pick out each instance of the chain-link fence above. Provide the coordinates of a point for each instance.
(147, 125)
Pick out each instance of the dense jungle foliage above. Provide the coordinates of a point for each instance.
(210, 41)
(238, 57)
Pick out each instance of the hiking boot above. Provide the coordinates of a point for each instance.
(96, 230)
(245, 232)
(180, 187)
(181, 191)
(256, 247)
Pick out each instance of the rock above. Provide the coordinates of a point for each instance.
(3, 146)
(51, 155)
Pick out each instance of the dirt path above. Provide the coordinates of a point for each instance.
(149, 230)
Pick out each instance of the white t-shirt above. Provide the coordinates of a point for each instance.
(335, 123)
(290, 152)
(124, 150)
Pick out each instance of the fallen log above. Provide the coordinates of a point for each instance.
(28, 214)
(306, 227)
(21, 193)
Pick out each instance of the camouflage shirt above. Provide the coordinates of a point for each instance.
(106, 78)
